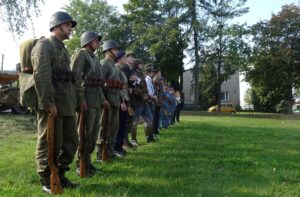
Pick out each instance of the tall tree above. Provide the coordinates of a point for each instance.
(17, 13)
(157, 35)
(276, 58)
(145, 17)
(226, 47)
(95, 15)
(208, 86)
(194, 20)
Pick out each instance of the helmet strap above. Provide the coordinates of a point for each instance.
(114, 56)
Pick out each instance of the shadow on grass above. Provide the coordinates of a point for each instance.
(243, 115)
(196, 157)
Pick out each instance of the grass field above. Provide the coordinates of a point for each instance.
(203, 155)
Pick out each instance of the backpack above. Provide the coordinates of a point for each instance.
(28, 95)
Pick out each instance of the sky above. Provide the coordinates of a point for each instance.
(259, 10)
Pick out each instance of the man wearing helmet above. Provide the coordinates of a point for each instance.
(112, 94)
(54, 86)
(89, 92)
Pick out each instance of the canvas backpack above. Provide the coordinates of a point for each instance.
(28, 95)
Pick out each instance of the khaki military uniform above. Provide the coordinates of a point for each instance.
(54, 87)
(110, 72)
(88, 90)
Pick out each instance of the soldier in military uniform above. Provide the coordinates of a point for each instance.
(159, 93)
(142, 108)
(112, 95)
(123, 113)
(89, 92)
(55, 91)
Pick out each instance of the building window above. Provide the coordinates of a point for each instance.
(225, 96)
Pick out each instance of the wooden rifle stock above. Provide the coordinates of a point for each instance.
(105, 144)
(55, 185)
(82, 138)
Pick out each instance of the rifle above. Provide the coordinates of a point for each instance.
(105, 144)
(82, 160)
(55, 185)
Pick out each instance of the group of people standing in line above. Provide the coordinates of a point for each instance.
(120, 84)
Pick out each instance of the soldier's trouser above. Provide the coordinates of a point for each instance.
(92, 125)
(128, 128)
(156, 119)
(113, 113)
(121, 131)
(65, 142)
(145, 113)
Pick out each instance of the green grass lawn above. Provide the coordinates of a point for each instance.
(203, 155)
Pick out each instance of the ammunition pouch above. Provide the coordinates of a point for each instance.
(115, 84)
(27, 69)
(63, 76)
(94, 80)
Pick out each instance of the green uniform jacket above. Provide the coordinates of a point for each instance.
(85, 64)
(141, 89)
(124, 92)
(48, 56)
(110, 72)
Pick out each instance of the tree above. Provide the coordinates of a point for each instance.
(226, 48)
(248, 97)
(157, 36)
(16, 13)
(94, 15)
(208, 86)
(194, 19)
(276, 58)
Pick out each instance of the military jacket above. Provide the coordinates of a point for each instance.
(50, 56)
(110, 72)
(141, 89)
(158, 87)
(86, 66)
(124, 92)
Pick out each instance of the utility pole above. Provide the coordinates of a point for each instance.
(2, 61)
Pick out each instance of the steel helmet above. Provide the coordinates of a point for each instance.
(59, 18)
(89, 36)
(109, 44)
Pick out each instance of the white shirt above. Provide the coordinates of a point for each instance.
(150, 87)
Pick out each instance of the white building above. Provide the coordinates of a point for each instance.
(230, 89)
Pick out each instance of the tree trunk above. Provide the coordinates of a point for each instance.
(196, 48)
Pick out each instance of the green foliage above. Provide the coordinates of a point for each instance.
(235, 155)
(208, 86)
(276, 58)
(16, 13)
(94, 15)
(156, 35)
(224, 45)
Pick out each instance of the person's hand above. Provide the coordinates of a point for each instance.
(123, 107)
(83, 106)
(52, 111)
(106, 104)
(133, 78)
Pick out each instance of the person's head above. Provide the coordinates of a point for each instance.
(90, 40)
(130, 58)
(121, 58)
(177, 93)
(149, 70)
(138, 64)
(61, 25)
(110, 49)
(157, 73)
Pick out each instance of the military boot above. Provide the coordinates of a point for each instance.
(149, 134)
(134, 141)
